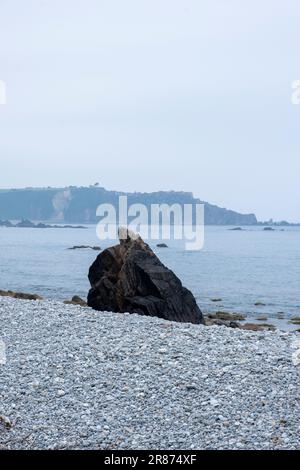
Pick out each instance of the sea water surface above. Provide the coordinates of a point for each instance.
(239, 267)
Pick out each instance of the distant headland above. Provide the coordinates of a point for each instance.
(77, 205)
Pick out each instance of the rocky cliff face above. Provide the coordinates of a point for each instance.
(129, 277)
(78, 205)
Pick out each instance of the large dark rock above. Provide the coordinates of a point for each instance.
(129, 277)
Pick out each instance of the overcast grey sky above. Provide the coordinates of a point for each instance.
(154, 95)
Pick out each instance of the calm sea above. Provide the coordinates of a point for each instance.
(240, 267)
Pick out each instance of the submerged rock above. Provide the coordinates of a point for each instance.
(262, 318)
(162, 245)
(227, 316)
(76, 300)
(84, 247)
(129, 277)
(209, 321)
(19, 295)
(256, 327)
(224, 319)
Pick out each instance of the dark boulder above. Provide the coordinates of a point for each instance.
(129, 277)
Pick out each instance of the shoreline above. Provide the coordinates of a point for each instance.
(211, 315)
(75, 378)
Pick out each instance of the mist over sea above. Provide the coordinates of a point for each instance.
(239, 267)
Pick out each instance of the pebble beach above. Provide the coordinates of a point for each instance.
(74, 378)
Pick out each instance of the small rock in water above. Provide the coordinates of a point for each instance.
(84, 247)
(226, 316)
(20, 295)
(76, 300)
(256, 327)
